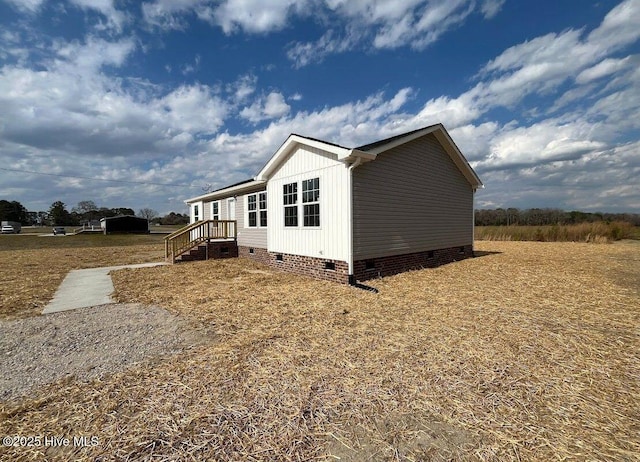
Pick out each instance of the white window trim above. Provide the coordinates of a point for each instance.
(257, 210)
(219, 211)
(300, 204)
(303, 203)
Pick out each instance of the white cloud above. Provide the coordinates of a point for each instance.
(272, 106)
(603, 68)
(31, 6)
(540, 143)
(115, 18)
(381, 24)
(620, 27)
(243, 87)
(167, 14)
(490, 8)
(305, 53)
(254, 16)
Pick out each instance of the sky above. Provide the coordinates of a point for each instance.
(143, 104)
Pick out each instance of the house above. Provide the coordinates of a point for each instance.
(124, 224)
(343, 214)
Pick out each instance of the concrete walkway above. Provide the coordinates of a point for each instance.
(87, 287)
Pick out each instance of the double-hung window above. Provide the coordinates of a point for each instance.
(257, 210)
(290, 196)
(262, 207)
(311, 202)
(196, 213)
(215, 210)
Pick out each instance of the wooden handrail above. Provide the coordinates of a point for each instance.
(184, 239)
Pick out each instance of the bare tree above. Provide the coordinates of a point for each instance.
(147, 213)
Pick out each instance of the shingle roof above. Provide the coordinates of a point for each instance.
(376, 144)
(233, 185)
(321, 141)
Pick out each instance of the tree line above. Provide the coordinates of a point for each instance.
(84, 212)
(548, 216)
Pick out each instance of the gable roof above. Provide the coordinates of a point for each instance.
(236, 188)
(366, 152)
(443, 138)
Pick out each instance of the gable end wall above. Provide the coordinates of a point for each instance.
(410, 199)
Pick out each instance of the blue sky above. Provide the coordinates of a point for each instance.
(167, 97)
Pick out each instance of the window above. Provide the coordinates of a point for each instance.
(369, 265)
(257, 207)
(262, 206)
(329, 265)
(290, 196)
(310, 199)
(252, 208)
(279, 257)
(196, 213)
(215, 211)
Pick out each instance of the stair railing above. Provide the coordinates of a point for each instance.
(184, 239)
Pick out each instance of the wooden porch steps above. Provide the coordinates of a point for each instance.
(201, 240)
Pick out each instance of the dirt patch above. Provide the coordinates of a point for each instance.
(400, 437)
(87, 343)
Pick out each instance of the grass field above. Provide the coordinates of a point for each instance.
(530, 352)
(598, 232)
(33, 267)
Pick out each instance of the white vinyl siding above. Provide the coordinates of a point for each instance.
(412, 198)
(330, 239)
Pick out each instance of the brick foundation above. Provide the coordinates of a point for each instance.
(387, 266)
(223, 249)
(308, 266)
(363, 269)
(258, 254)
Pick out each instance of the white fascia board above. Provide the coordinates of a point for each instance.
(227, 192)
(354, 154)
(292, 142)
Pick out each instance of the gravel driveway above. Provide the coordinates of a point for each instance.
(87, 343)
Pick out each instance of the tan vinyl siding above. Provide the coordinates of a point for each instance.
(412, 198)
(250, 237)
(206, 211)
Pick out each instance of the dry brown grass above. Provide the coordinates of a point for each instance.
(34, 267)
(599, 232)
(531, 353)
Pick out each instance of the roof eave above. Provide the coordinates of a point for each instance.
(227, 192)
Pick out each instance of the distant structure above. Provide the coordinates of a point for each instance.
(124, 224)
